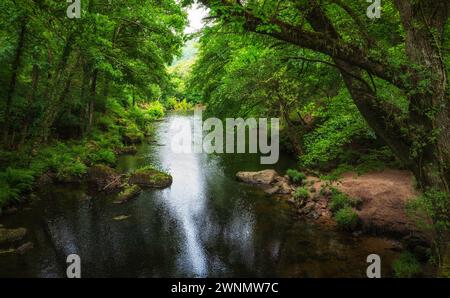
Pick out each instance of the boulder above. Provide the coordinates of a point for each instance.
(150, 178)
(102, 176)
(284, 187)
(265, 177)
(45, 179)
(8, 236)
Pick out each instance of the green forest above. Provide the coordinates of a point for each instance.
(353, 93)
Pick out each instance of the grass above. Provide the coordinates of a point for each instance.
(301, 193)
(406, 266)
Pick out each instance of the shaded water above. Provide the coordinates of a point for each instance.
(205, 225)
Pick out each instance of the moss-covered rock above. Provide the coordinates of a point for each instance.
(127, 150)
(130, 192)
(101, 176)
(149, 177)
(8, 236)
(132, 138)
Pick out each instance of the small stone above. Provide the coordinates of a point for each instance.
(24, 248)
(357, 233)
(121, 217)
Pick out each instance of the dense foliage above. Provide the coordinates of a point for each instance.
(76, 91)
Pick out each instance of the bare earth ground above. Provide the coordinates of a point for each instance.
(384, 195)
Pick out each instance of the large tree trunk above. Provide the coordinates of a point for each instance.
(84, 96)
(424, 23)
(13, 82)
(55, 94)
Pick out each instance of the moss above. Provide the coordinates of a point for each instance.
(11, 235)
(149, 177)
(130, 192)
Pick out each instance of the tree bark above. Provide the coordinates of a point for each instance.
(429, 120)
(93, 95)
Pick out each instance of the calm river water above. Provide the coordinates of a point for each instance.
(205, 225)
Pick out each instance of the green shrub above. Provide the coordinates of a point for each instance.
(339, 124)
(155, 110)
(176, 105)
(301, 193)
(8, 194)
(296, 176)
(406, 266)
(339, 201)
(346, 218)
(171, 103)
(105, 156)
(67, 171)
(13, 182)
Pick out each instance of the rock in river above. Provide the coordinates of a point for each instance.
(149, 177)
(11, 235)
(24, 248)
(263, 177)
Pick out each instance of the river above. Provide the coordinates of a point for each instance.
(205, 225)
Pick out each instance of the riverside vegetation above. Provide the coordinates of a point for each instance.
(353, 94)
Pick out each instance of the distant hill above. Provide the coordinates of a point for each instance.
(190, 50)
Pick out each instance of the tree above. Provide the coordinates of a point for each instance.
(367, 55)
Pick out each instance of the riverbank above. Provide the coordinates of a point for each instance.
(117, 131)
(378, 199)
(374, 203)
